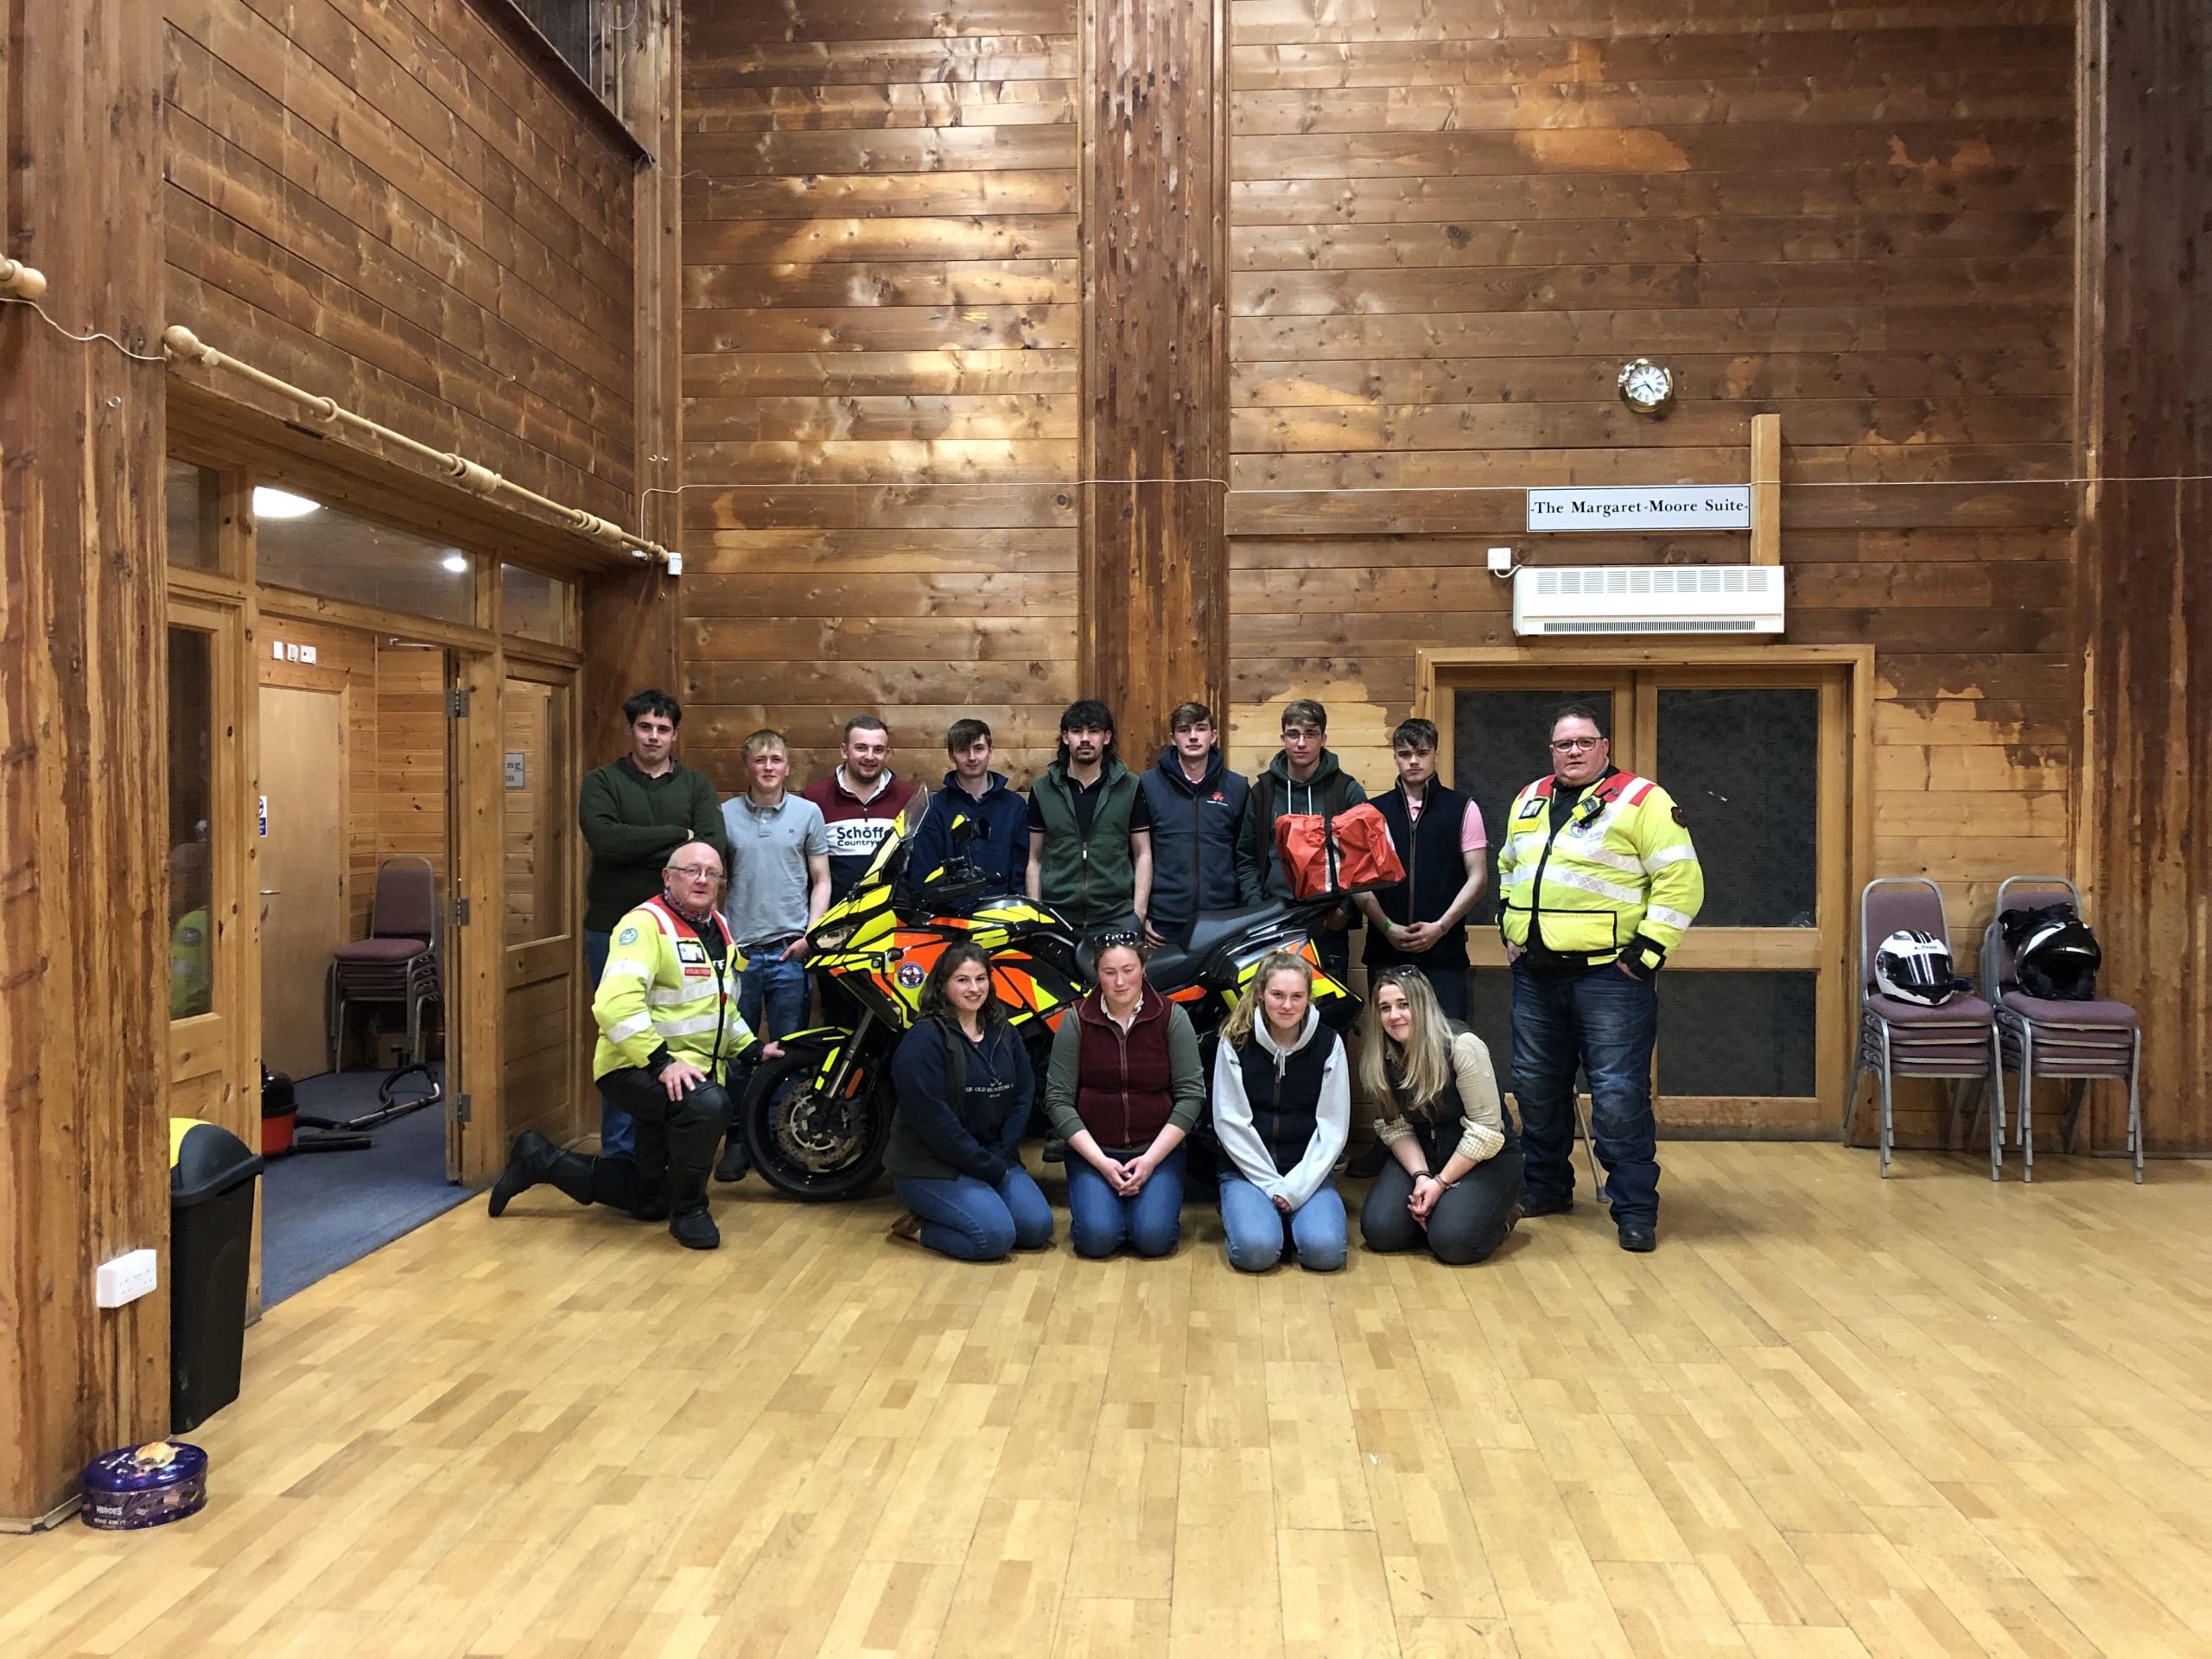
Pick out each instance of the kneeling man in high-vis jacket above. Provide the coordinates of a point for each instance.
(669, 1032)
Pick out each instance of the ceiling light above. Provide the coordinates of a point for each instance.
(457, 563)
(281, 503)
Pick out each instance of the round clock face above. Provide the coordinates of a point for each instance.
(1646, 387)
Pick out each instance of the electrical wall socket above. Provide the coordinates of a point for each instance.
(675, 563)
(127, 1278)
(306, 653)
(1501, 561)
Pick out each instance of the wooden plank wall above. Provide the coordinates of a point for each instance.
(410, 740)
(2147, 96)
(391, 205)
(83, 1003)
(1450, 228)
(881, 292)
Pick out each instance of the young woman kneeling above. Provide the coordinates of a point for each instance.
(1123, 1089)
(965, 1086)
(1454, 1178)
(1281, 1110)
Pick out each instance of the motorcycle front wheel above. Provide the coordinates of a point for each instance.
(807, 1145)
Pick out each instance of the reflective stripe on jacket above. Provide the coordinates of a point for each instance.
(1621, 865)
(661, 987)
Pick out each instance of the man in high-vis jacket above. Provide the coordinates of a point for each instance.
(1596, 882)
(669, 1032)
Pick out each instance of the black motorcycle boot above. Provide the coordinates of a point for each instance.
(732, 1164)
(688, 1224)
(534, 1160)
(646, 1196)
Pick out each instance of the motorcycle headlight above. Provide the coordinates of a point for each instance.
(834, 938)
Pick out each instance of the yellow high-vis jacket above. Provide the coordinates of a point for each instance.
(660, 987)
(1619, 878)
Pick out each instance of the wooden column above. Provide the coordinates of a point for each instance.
(630, 618)
(1153, 556)
(2146, 803)
(84, 1029)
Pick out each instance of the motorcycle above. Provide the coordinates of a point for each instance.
(816, 1119)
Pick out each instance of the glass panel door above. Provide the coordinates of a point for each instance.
(1751, 1013)
(542, 1015)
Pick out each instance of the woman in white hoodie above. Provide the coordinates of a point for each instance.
(1281, 1110)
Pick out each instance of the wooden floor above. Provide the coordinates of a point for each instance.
(1830, 1418)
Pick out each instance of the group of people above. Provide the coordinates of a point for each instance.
(698, 926)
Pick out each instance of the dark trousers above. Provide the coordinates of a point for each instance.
(1604, 1022)
(1468, 1224)
(675, 1141)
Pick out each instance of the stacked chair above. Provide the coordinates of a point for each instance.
(1896, 1039)
(2079, 1041)
(398, 961)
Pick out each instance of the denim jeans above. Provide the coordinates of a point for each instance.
(772, 999)
(1100, 1220)
(618, 1134)
(973, 1221)
(1256, 1229)
(1603, 1021)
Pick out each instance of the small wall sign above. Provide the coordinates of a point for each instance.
(518, 770)
(1666, 506)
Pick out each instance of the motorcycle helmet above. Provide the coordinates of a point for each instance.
(1916, 967)
(2056, 957)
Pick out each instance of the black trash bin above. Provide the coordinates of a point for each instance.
(210, 1239)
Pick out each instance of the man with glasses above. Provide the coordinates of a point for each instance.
(1597, 881)
(668, 1032)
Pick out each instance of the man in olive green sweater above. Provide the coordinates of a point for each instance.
(634, 812)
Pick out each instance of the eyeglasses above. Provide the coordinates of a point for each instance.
(691, 873)
(1575, 745)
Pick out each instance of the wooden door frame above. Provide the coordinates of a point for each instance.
(1847, 711)
(481, 657)
(533, 960)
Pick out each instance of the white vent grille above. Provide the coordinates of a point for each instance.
(1648, 598)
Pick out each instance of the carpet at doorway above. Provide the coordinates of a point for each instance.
(324, 1211)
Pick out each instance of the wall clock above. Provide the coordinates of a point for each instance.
(1647, 387)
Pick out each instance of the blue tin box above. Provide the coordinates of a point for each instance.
(148, 1486)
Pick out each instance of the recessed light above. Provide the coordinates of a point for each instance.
(457, 563)
(281, 503)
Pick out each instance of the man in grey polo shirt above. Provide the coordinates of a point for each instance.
(778, 887)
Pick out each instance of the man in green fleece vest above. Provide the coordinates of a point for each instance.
(634, 812)
(1089, 829)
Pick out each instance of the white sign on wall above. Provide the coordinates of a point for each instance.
(518, 769)
(1666, 506)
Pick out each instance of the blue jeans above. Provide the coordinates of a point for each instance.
(1257, 1229)
(1100, 1220)
(973, 1221)
(772, 999)
(1603, 1021)
(617, 1132)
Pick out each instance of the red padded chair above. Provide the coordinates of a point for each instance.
(398, 961)
(2039, 1038)
(1906, 1039)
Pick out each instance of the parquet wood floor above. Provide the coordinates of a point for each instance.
(1831, 1419)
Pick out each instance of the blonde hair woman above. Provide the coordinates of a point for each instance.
(1454, 1181)
(1281, 1110)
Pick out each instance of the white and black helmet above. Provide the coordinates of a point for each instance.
(1916, 967)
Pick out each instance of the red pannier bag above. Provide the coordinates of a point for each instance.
(1349, 852)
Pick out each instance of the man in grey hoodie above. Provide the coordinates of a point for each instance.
(1304, 777)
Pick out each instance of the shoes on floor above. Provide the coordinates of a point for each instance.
(1640, 1237)
(1547, 1205)
(694, 1230)
(907, 1229)
(733, 1163)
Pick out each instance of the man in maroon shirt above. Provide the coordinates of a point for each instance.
(860, 800)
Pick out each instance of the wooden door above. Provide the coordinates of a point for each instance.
(303, 895)
(1754, 1004)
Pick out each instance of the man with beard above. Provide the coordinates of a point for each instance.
(860, 800)
(1089, 829)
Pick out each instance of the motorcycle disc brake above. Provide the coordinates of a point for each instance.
(818, 1132)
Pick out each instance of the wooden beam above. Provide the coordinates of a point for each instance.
(1766, 489)
(2144, 830)
(1152, 557)
(83, 1021)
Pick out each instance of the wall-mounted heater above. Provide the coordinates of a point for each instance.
(1648, 599)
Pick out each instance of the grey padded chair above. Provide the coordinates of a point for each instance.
(1904, 1039)
(398, 961)
(2037, 1038)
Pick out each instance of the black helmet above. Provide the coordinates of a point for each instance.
(2054, 954)
(1915, 967)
